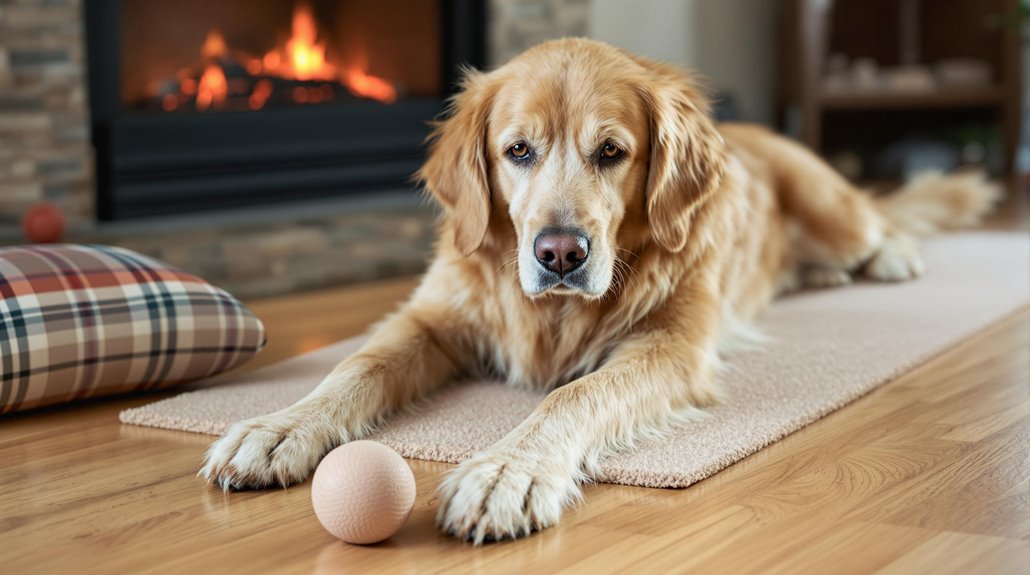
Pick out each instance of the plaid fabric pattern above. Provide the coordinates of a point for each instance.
(80, 321)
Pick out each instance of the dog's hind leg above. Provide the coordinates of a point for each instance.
(834, 226)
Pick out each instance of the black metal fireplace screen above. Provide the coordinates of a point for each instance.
(200, 105)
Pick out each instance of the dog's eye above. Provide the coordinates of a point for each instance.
(519, 152)
(609, 152)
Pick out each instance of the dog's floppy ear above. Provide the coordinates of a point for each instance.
(687, 157)
(455, 172)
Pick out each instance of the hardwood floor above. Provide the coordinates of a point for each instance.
(930, 473)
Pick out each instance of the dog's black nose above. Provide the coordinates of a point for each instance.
(561, 251)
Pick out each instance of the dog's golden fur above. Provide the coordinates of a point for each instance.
(692, 232)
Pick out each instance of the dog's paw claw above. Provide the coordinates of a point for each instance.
(494, 497)
(276, 449)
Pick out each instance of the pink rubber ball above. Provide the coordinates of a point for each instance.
(363, 492)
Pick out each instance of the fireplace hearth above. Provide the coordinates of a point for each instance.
(200, 105)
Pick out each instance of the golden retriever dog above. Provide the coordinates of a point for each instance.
(603, 239)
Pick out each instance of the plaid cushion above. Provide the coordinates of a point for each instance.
(80, 321)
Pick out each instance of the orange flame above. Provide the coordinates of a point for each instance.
(306, 54)
(303, 57)
(368, 86)
(262, 91)
(212, 88)
(214, 46)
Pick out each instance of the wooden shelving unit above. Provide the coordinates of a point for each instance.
(989, 96)
(811, 30)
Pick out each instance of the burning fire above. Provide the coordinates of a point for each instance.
(368, 86)
(214, 46)
(305, 55)
(212, 88)
(298, 69)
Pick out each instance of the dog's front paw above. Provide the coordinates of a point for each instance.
(898, 260)
(281, 448)
(497, 496)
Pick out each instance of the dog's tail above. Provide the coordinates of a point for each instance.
(933, 202)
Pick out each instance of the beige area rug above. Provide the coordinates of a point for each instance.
(828, 348)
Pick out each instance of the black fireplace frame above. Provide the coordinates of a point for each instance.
(150, 164)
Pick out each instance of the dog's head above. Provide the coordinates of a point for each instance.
(591, 153)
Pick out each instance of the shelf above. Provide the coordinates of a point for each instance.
(943, 98)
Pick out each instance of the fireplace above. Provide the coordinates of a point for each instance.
(200, 105)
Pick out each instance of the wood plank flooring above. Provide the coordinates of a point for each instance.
(928, 474)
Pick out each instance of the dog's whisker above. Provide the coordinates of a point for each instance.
(624, 274)
(630, 252)
(510, 262)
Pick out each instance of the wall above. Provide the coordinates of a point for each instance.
(519, 24)
(731, 42)
(44, 132)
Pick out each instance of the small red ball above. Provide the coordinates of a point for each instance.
(43, 223)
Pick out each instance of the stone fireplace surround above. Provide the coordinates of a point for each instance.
(45, 155)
